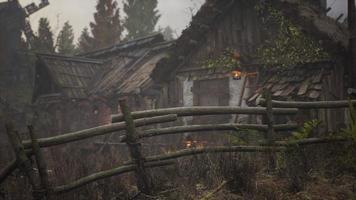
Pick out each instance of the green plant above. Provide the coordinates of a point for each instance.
(229, 59)
(350, 131)
(287, 45)
(306, 130)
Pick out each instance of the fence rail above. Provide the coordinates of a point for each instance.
(129, 121)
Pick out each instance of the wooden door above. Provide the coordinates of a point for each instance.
(213, 92)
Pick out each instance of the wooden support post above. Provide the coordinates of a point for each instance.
(270, 130)
(143, 181)
(23, 160)
(41, 165)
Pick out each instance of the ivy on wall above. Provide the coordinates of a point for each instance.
(229, 59)
(287, 45)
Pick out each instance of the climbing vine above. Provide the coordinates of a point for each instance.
(229, 59)
(288, 45)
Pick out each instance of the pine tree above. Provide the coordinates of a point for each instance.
(43, 41)
(65, 40)
(85, 42)
(106, 28)
(142, 17)
(167, 33)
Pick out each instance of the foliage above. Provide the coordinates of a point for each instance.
(107, 27)
(350, 131)
(141, 17)
(229, 59)
(65, 40)
(287, 45)
(85, 41)
(43, 42)
(167, 33)
(306, 130)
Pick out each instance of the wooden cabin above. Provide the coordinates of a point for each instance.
(235, 24)
(60, 92)
(129, 76)
(80, 92)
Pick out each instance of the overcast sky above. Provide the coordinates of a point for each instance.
(79, 13)
(175, 13)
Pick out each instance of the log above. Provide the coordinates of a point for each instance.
(204, 110)
(142, 178)
(97, 131)
(23, 160)
(7, 171)
(41, 165)
(311, 104)
(217, 127)
(11, 167)
(105, 174)
(223, 149)
(313, 141)
(270, 130)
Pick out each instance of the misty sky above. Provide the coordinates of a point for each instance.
(79, 13)
(175, 13)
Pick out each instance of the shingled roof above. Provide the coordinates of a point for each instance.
(71, 75)
(305, 81)
(130, 70)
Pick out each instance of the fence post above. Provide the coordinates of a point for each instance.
(41, 165)
(142, 178)
(22, 159)
(270, 131)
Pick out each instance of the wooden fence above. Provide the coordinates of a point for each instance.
(129, 121)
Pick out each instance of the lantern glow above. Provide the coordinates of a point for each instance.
(236, 74)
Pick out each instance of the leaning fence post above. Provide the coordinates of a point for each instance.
(23, 160)
(143, 181)
(270, 131)
(41, 165)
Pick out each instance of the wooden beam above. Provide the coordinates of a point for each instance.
(204, 110)
(143, 181)
(313, 141)
(41, 165)
(214, 127)
(223, 149)
(270, 130)
(7, 171)
(98, 131)
(105, 174)
(23, 161)
(310, 105)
